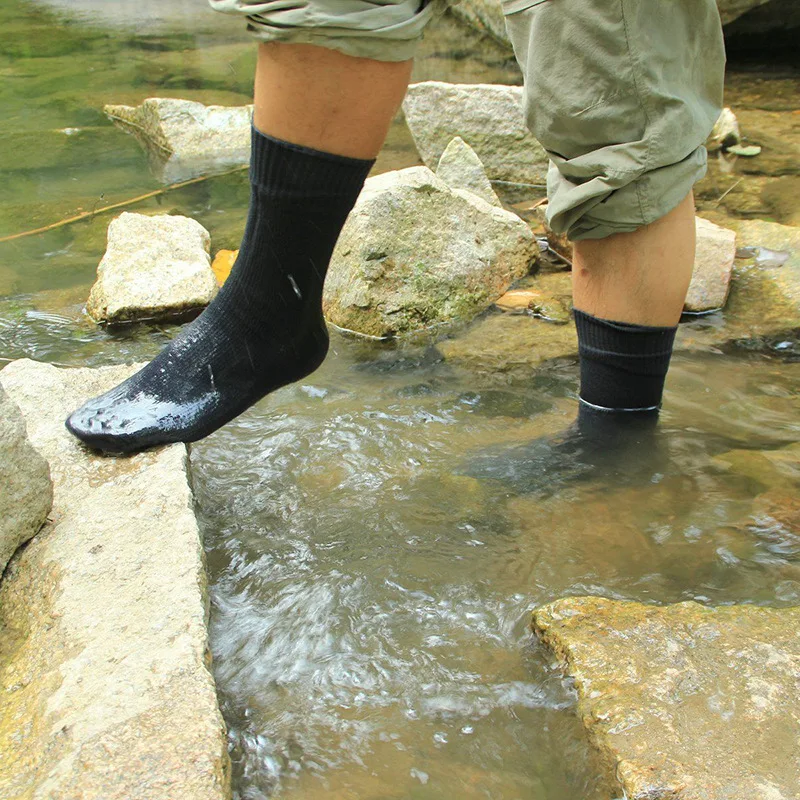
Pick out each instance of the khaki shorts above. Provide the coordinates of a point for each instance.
(622, 94)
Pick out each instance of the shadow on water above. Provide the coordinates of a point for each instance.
(371, 595)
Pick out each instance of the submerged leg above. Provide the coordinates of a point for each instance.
(320, 120)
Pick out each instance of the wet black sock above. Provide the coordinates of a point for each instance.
(265, 327)
(623, 369)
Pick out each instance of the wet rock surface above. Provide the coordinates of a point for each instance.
(184, 138)
(489, 117)
(510, 345)
(27, 492)
(103, 660)
(713, 264)
(485, 16)
(763, 305)
(415, 253)
(690, 702)
(154, 267)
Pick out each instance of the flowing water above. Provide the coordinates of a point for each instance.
(371, 588)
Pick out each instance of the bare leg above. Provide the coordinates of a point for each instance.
(326, 100)
(638, 277)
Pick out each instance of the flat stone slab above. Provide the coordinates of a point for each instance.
(689, 702)
(154, 267)
(104, 667)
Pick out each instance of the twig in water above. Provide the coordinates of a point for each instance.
(726, 193)
(95, 212)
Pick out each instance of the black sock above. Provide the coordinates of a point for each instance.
(623, 369)
(265, 327)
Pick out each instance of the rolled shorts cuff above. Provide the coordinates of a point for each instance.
(619, 203)
(622, 96)
(388, 32)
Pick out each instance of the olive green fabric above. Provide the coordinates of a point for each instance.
(385, 30)
(622, 94)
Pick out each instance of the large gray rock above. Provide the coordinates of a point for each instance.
(713, 265)
(416, 253)
(460, 168)
(104, 672)
(729, 10)
(688, 702)
(153, 268)
(27, 493)
(488, 116)
(185, 139)
(487, 17)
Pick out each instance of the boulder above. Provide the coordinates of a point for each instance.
(27, 493)
(485, 16)
(713, 264)
(758, 16)
(185, 139)
(415, 253)
(672, 695)
(154, 267)
(460, 168)
(488, 116)
(104, 667)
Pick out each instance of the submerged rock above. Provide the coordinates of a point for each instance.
(671, 693)
(27, 493)
(485, 16)
(713, 264)
(153, 268)
(488, 116)
(416, 253)
(185, 139)
(103, 667)
(509, 346)
(460, 168)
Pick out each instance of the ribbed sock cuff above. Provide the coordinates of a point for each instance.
(293, 171)
(623, 366)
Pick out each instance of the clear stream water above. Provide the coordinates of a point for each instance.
(371, 597)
